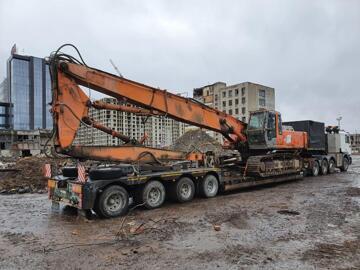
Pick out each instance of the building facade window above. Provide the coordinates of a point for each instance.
(243, 100)
(224, 103)
(236, 101)
(230, 93)
(236, 92)
(223, 94)
(230, 111)
(237, 111)
(243, 110)
(262, 96)
(262, 93)
(242, 91)
(230, 102)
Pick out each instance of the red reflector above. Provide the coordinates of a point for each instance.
(81, 173)
(47, 170)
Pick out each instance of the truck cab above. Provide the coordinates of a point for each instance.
(338, 141)
(345, 145)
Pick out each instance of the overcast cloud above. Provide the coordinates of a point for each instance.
(309, 51)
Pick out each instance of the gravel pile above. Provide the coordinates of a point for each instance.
(197, 140)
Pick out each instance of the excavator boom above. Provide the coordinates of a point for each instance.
(70, 106)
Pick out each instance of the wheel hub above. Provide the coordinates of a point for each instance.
(114, 202)
(185, 190)
(210, 187)
(154, 195)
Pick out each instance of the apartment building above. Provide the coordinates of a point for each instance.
(161, 131)
(237, 100)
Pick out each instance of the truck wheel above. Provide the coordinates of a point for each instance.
(332, 166)
(112, 202)
(345, 165)
(183, 190)
(315, 168)
(153, 194)
(324, 167)
(209, 186)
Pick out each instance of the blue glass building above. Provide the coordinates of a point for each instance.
(5, 115)
(29, 92)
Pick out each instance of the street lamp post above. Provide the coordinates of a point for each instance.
(339, 119)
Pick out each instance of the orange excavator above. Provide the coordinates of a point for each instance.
(70, 107)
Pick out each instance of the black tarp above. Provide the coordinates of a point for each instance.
(315, 131)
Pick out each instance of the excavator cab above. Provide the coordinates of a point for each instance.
(265, 132)
(263, 129)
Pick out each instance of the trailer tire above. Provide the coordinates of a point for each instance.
(183, 190)
(209, 186)
(324, 169)
(315, 168)
(345, 165)
(112, 202)
(153, 194)
(332, 166)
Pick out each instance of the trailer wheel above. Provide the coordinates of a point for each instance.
(153, 194)
(332, 166)
(324, 167)
(315, 168)
(112, 202)
(345, 165)
(183, 190)
(209, 186)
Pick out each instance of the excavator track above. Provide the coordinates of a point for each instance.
(274, 164)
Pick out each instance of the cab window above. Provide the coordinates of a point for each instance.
(279, 124)
(271, 124)
(257, 121)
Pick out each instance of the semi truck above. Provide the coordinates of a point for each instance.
(266, 150)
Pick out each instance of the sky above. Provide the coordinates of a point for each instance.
(309, 51)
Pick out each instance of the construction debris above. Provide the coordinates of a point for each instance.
(24, 175)
(217, 227)
(197, 140)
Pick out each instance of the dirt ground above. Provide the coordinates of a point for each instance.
(308, 224)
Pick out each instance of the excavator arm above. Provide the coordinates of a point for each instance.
(70, 108)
